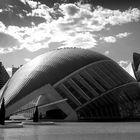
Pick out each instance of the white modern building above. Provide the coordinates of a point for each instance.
(72, 84)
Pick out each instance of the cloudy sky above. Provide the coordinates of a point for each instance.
(29, 28)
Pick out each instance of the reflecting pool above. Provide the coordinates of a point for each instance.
(74, 131)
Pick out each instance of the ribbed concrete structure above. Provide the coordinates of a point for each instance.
(92, 85)
(136, 65)
(4, 76)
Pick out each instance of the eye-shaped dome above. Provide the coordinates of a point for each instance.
(89, 81)
(48, 68)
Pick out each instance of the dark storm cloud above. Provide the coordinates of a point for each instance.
(14, 12)
(111, 4)
(72, 9)
(7, 40)
(50, 3)
(117, 4)
(19, 20)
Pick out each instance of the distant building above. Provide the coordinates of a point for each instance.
(4, 76)
(73, 85)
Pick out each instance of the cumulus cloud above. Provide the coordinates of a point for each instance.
(80, 20)
(9, 70)
(130, 70)
(109, 39)
(34, 47)
(127, 66)
(32, 4)
(106, 53)
(7, 40)
(85, 41)
(122, 35)
(15, 13)
(7, 43)
(113, 39)
(2, 27)
(27, 59)
(40, 11)
(70, 9)
(74, 25)
(123, 63)
(116, 17)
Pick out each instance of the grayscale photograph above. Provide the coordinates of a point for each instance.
(69, 70)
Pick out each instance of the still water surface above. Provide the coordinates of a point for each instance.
(74, 131)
